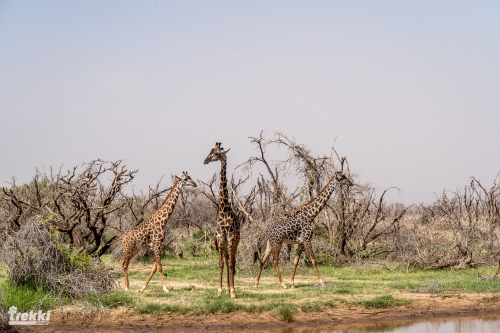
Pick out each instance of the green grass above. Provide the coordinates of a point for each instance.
(153, 308)
(28, 296)
(193, 283)
(373, 287)
(219, 305)
(110, 300)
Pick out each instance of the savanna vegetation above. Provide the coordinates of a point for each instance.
(57, 236)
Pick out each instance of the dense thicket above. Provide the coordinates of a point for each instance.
(33, 254)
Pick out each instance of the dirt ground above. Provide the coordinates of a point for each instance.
(424, 307)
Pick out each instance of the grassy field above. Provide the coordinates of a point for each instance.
(193, 288)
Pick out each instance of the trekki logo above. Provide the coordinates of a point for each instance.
(28, 318)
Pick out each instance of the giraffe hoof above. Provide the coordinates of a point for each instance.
(283, 286)
(219, 292)
(165, 289)
(142, 289)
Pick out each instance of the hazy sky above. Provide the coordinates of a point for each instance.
(410, 89)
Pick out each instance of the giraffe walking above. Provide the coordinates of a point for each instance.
(298, 229)
(228, 225)
(151, 234)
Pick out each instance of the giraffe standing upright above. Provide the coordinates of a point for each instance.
(151, 234)
(298, 229)
(228, 224)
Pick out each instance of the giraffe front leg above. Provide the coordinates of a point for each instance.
(221, 271)
(160, 272)
(159, 268)
(228, 275)
(276, 258)
(313, 260)
(298, 252)
(153, 271)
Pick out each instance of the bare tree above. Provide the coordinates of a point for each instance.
(77, 204)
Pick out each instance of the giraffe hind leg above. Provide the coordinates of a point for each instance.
(125, 261)
(127, 256)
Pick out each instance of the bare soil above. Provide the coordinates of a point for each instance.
(423, 307)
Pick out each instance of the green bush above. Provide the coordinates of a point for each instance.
(286, 314)
(382, 302)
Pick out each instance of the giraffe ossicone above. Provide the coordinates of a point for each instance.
(151, 233)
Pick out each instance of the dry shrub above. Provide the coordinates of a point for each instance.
(33, 255)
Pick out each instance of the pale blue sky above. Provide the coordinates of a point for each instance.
(410, 89)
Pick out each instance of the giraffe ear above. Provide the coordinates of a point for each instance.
(225, 150)
(178, 177)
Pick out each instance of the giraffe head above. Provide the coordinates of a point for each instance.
(342, 179)
(184, 179)
(216, 154)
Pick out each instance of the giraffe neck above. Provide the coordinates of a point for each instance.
(163, 213)
(224, 205)
(313, 207)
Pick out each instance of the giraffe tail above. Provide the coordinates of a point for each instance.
(116, 240)
(255, 257)
(257, 254)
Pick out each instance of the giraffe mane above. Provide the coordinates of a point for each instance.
(164, 201)
(314, 199)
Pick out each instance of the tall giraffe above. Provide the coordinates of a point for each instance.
(151, 234)
(298, 229)
(228, 224)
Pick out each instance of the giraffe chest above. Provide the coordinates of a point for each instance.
(228, 222)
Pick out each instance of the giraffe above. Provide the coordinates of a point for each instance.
(297, 229)
(151, 234)
(228, 224)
